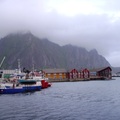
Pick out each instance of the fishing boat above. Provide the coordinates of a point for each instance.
(39, 80)
(39, 77)
(43, 80)
(21, 87)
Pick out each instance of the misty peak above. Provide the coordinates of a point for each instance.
(93, 51)
(20, 33)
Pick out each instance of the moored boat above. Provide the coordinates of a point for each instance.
(40, 77)
(20, 87)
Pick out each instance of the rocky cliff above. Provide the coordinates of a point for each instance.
(42, 53)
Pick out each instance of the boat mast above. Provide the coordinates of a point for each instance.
(19, 69)
(33, 66)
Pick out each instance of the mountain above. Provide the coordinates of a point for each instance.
(42, 53)
(78, 57)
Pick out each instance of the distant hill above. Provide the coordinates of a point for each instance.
(115, 69)
(46, 54)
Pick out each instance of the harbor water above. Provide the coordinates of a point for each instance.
(89, 100)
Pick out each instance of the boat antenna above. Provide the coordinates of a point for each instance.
(19, 69)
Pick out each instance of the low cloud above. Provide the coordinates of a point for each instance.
(99, 31)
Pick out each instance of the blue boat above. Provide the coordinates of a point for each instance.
(24, 86)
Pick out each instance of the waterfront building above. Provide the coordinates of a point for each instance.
(6, 73)
(101, 73)
(84, 74)
(55, 74)
(72, 74)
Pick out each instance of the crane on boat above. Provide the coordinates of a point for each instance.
(2, 61)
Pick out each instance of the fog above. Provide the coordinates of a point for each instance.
(85, 23)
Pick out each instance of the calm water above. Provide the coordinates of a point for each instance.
(90, 100)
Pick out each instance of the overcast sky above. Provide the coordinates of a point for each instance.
(86, 23)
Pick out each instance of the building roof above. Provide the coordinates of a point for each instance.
(99, 69)
(55, 70)
(8, 71)
(70, 70)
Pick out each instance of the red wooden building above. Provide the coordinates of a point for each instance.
(78, 75)
(84, 73)
(73, 74)
(105, 73)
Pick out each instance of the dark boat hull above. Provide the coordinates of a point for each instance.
(20, 90)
